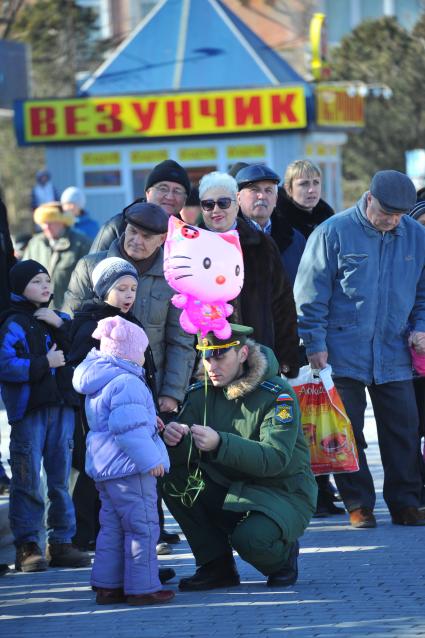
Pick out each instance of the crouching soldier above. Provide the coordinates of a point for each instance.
(259, 493)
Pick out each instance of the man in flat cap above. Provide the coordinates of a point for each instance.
(167, 185)
(259, 493)
(360, 294)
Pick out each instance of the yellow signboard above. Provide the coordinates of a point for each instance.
(318, 41)
(245, 151)
(101, 158)
(197, 154)
(335, 107)
(153, 156)
(141, 116)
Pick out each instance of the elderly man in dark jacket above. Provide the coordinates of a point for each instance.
(259, 492)
(259, 198)
(266, 301)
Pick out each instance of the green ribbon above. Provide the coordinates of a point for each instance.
(195, 483)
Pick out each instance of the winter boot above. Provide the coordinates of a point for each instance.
(29, 558)
(66, 555)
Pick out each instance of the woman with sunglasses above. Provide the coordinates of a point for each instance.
(266, 301)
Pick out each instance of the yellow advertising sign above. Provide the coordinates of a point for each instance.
(197, 154)
(141, 116)
(245, 151)
(318, 41)
(153, 156)
(102, 158)
(335, 107)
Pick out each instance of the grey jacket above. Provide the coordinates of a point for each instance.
(60, 260)
(172, 348)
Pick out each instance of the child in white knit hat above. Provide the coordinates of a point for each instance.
(125, 454)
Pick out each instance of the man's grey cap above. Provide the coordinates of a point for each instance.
(395, 191)
(255, 173)
(149, 217)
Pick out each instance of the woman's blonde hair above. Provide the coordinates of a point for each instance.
(300, 168)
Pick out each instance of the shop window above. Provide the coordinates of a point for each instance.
(102, 179)
(196, 172)
(138, 178)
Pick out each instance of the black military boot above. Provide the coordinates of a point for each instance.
(220, 572)
(288, 574)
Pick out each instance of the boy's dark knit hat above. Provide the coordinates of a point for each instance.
(21, 274)
(168, 171)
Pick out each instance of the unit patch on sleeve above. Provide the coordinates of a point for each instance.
(283, 412)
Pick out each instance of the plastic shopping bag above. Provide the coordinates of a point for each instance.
(325, 423)
(418, 362)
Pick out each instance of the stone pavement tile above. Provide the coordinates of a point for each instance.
(353, 583)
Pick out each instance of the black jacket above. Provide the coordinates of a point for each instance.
(301, 219)
(28, 382)
(7, 258)
(266, 302)
(84, 324)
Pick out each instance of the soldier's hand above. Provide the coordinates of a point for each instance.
(174, 432)
(56, 358)
(206, 439)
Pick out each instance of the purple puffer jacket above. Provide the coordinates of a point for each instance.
(123, 437)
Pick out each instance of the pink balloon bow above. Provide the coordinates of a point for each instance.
(206, 269)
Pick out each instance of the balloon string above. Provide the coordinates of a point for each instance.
(195, 483)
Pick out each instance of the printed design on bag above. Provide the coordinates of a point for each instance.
(283, 413)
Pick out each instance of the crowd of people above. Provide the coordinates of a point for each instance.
(98, 375)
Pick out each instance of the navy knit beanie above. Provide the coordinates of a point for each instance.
(168, 171)
(21, 274)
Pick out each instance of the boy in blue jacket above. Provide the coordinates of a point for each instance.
(37, 391)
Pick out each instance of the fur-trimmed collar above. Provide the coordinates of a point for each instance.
(257, 365)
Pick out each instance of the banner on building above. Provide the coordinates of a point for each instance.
(339, 106)
(156, 116)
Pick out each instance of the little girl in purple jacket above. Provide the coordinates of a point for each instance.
(124, 456)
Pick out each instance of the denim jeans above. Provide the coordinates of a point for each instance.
(46, 434)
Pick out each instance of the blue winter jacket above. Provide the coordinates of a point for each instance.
(26, 379)
(86, 225)
(123, 437)
(359, 292)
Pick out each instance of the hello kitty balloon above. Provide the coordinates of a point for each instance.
(207, 270)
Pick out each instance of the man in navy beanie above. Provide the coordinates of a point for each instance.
(167, 185)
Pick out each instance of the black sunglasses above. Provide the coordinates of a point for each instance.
(222, 202)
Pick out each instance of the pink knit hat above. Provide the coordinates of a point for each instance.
(121, 338)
